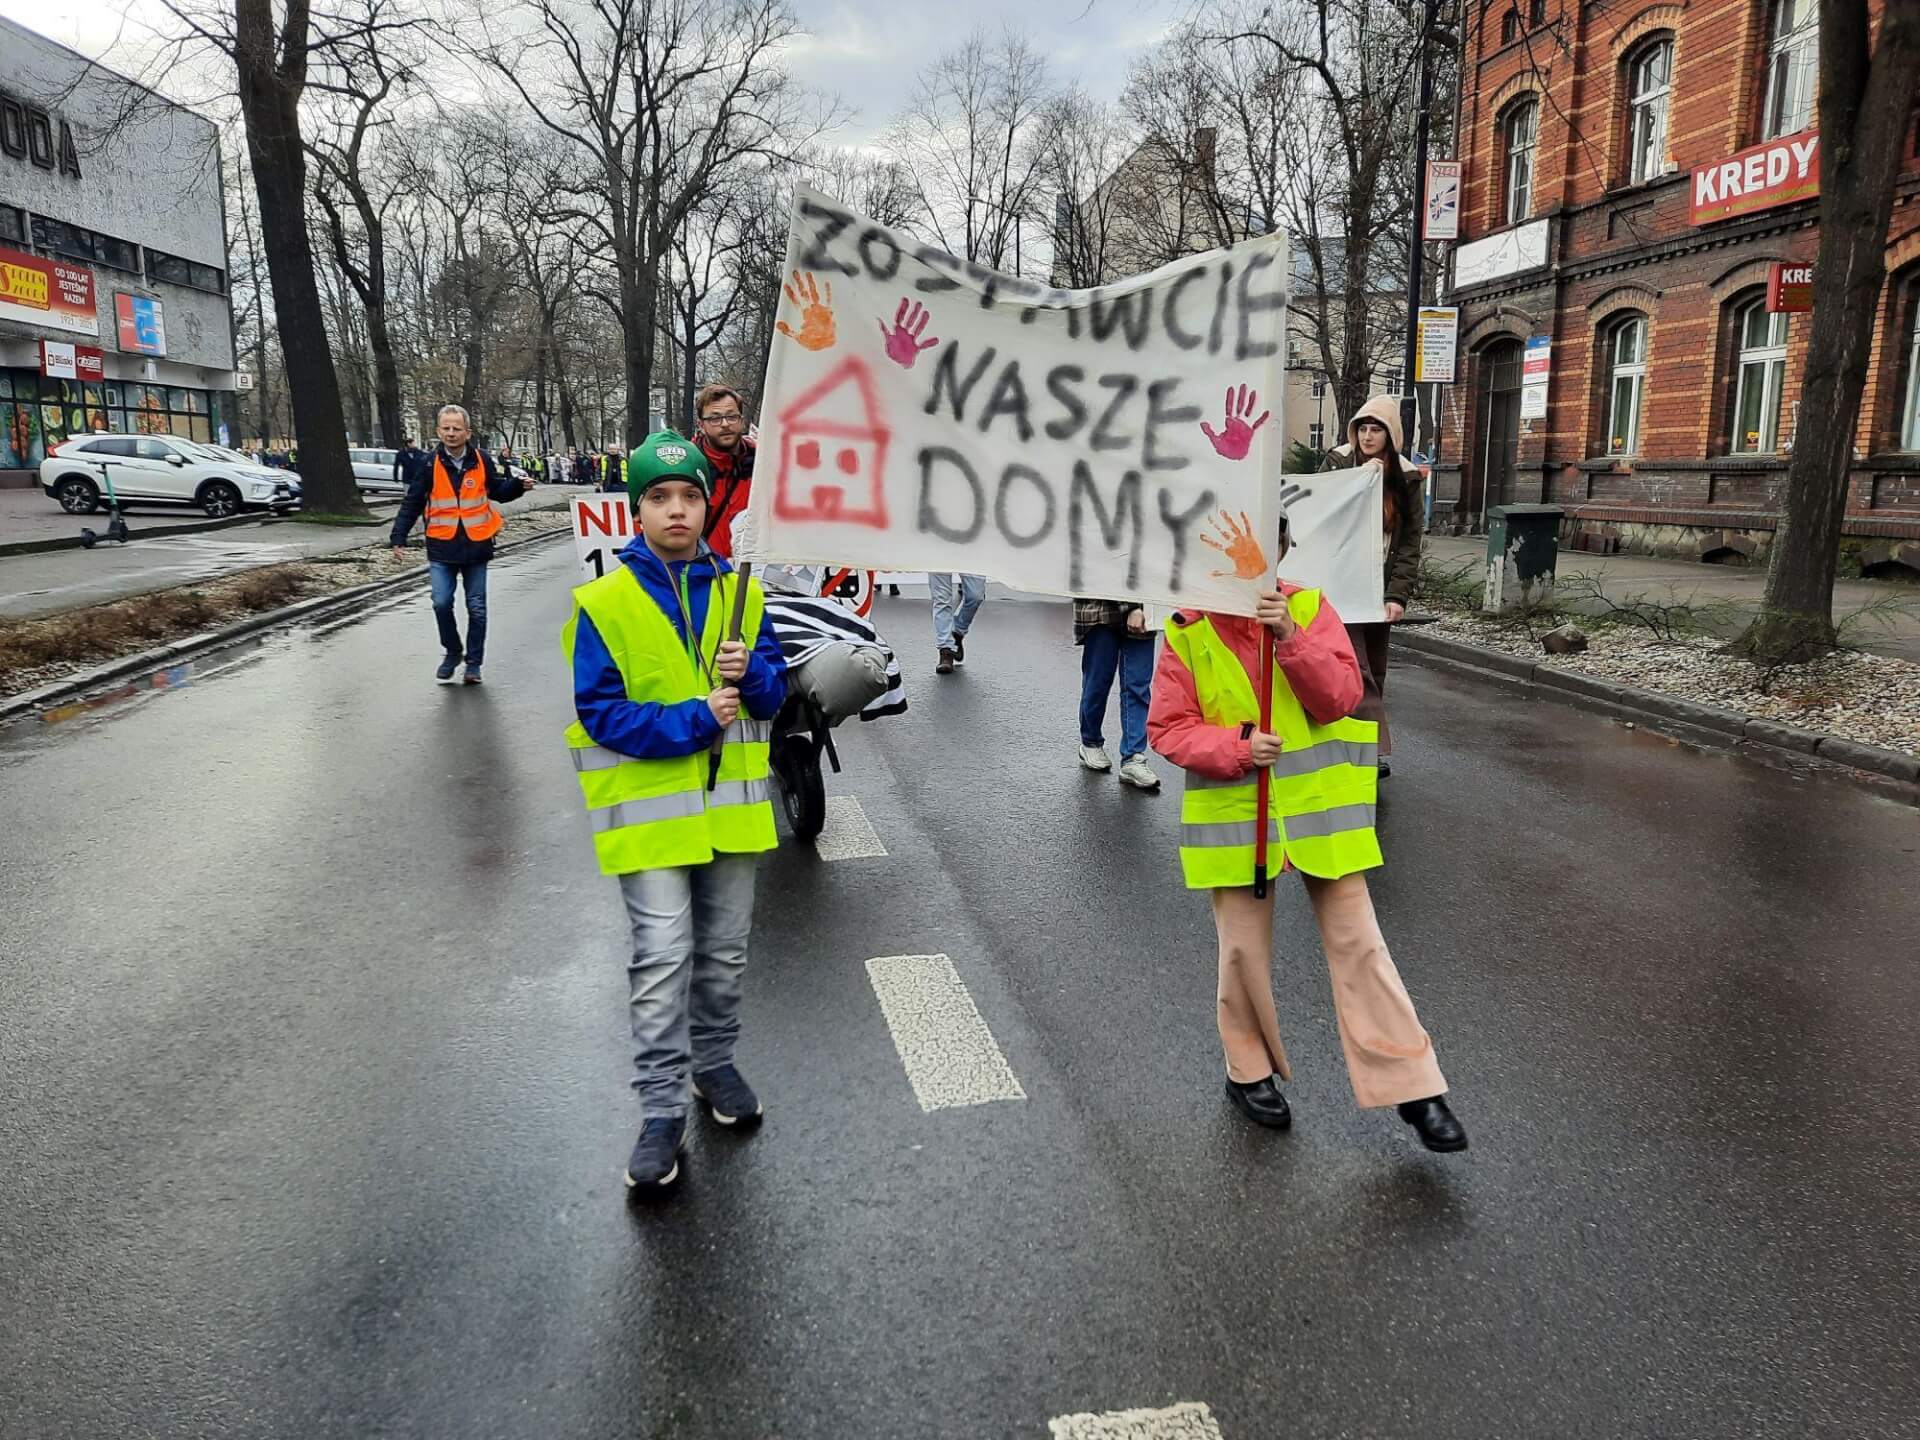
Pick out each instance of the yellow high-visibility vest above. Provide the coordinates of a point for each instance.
(1321, 797)
(656, 814)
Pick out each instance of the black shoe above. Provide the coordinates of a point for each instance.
(959, 649)
(728, 1096)
(945, 667)
(445, 673)
(1386, 767)
(1261, 1102)
(1437, 1127)
(472, 677)
(655, 1162)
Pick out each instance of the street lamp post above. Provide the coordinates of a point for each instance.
(1416, 252)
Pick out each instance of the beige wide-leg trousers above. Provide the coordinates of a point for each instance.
(1389, 1056)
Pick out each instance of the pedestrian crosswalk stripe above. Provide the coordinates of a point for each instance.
(950, 1055)
(848, 834)
(1178, 1422)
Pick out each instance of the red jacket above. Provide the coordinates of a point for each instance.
(1318, 665)
(732, 488)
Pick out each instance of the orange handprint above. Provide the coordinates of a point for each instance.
(1249, 560)
(816, 314)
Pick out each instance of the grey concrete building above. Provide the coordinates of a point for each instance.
(113, 258)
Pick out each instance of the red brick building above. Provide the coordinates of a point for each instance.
(1632, 176)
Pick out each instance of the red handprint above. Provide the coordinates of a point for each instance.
(1233, 442)
(903, 341)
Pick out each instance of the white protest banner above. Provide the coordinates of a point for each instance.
(602, 526)
(925, 413)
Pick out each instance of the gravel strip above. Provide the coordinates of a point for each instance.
(1873, 699)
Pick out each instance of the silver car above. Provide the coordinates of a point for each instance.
(373, 471)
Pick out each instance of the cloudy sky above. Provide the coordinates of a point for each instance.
(866, 51)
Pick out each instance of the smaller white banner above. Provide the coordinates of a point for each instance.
(1536, 369)
(1434, 357)
(602, 526)
(1443, 200)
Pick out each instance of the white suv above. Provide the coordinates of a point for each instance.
(373, 472)
(164, 470)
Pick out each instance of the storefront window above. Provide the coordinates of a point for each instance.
(1627, 355)
(37, 413)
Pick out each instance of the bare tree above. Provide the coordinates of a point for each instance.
(661, 99)
(1086, 145)
(271, 64)
(971, 142)
(1867, 94)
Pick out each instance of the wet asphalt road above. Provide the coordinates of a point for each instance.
(312, 1045)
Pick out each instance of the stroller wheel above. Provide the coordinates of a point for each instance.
(803, 793)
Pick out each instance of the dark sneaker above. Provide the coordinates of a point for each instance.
(445, 673)
(728, 1096)
(1386, 767)
(959, 649)
(1435, 1124)
(1261, 1102)
(945, 667)
(655, 1162)
(473, 675)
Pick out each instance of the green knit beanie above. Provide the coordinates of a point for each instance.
(665, 455)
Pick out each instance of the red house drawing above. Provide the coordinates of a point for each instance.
(833, 451)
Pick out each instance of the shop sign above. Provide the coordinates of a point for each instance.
(63, 360)
(143, 329)
(1434, 356)
(31, 133)
(1443, 199)
(48, 293)
(1776, 173)
(1789, 287)
(1535, 370)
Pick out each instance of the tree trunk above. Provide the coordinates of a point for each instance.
(1866, 103)
(270, 108)
(386, 376)
(641, 293)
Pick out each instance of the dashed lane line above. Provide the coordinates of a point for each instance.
(848, 834)
(1189, 1421)
(949, 1053)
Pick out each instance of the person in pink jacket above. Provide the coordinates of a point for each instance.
(1323, 793)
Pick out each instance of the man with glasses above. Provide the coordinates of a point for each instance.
(722, 437)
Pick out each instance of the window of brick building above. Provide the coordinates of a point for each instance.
(1760, 368)
(1649, 89)
(1910, 416)
(1626, 352)
(1793, 66)
(1519, 132)
(1510, 26)
(1537, 14)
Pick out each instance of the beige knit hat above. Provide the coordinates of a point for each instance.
(1385, 409)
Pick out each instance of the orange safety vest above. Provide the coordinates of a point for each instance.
(472, 507)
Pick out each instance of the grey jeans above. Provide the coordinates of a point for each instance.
(690, 929)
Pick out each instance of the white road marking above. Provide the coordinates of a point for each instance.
(848, 834)
(1188, 1421)
(950, 1055)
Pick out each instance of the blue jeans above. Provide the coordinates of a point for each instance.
(474, 577)
(690, 930)
(950, 624)
(1101, 653)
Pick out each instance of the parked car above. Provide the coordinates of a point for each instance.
(162, 470)
(373, 472)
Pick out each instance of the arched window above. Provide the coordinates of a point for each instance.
(1649, 88)
(1760, 368)
(1793, 65)
(1519, 132)
(1626, 352)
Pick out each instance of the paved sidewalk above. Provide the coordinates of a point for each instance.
(55, 580)
(1691, 582)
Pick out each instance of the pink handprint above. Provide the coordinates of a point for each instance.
(1237, 438)
(903, 341)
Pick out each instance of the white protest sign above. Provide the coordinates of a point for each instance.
(925, 414)
(602, 526)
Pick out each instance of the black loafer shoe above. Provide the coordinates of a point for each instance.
(1437, 1127)
(1261, 1102)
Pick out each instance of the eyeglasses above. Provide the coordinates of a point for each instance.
(733, 419)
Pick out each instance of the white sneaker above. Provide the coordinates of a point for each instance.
(1135, 771)
(1094, 757)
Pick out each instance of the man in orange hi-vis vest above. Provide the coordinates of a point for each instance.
(460, 490)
